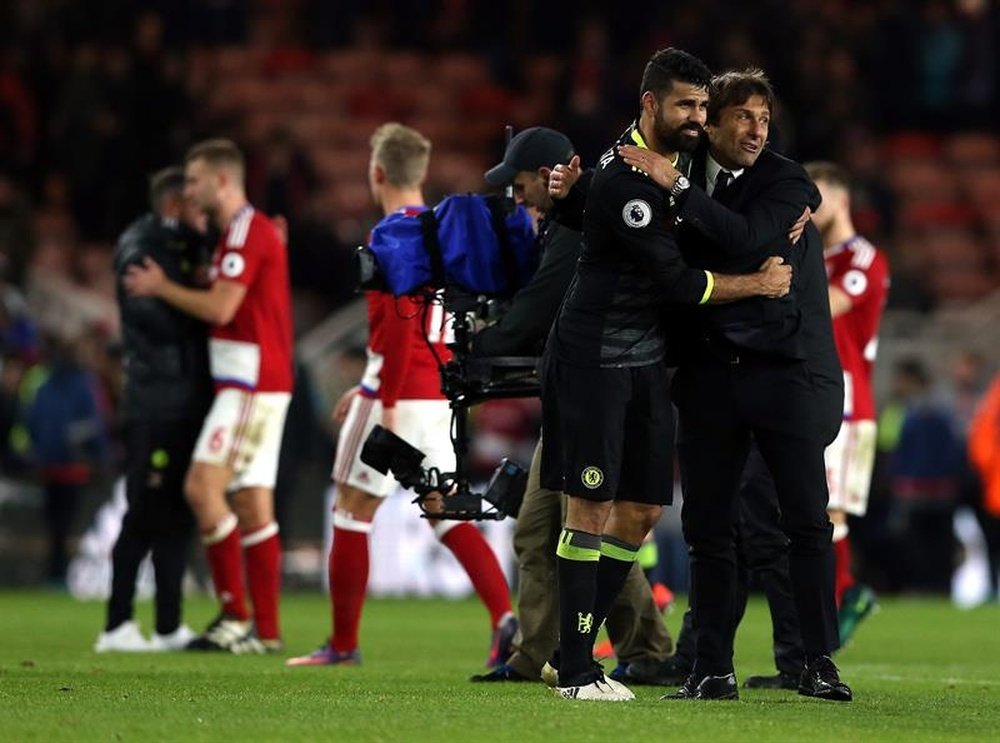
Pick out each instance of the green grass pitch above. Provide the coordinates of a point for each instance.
(921, 671)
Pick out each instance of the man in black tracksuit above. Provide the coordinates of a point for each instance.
(167, 394)
(607, 420)
(761, 372)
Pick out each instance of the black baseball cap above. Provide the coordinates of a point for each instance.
(531, 149)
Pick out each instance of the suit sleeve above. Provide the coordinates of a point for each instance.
(766, 219)
(636, 209)
(523, 328)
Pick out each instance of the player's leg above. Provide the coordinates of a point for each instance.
(205, 488)
(850, 460)
(427, 425)
(253, 501)
(588, 437)
(646, 484)
(360, 492)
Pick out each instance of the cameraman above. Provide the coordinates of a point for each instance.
(637, 630)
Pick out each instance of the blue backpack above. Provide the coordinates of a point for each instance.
(466, 241)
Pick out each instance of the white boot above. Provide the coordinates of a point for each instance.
(125, 638)
(176, 640)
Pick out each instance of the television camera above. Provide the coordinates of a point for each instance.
(468, 270)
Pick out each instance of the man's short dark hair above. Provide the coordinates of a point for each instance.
(164, 182)
(670, 65)
(735, 87)
(822, 170)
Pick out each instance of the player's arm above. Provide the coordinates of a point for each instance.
(777, 212)
(216, 305)
(840, 301)
(640, 219)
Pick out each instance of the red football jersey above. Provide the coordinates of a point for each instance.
(861, 271)
(254, 350)
(401, 364)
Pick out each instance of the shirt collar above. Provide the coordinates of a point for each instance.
(636, 136)
(712, 169)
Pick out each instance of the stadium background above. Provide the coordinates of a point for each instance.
(95, 95)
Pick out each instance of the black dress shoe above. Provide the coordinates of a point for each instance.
(649, 672)
(821, 679)
(707, 687)
(777, 681)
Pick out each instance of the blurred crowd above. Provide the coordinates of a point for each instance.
(95, 96)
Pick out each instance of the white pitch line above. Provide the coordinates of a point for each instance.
(931, 680)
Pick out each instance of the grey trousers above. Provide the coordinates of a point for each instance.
(634, 624)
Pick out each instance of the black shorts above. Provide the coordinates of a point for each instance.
(608, 433)
(157, 457)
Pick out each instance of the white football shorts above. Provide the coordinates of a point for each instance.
(850, 460)
(425, 424)
(243, 430)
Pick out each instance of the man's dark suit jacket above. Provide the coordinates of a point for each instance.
(734, 233)
(741, 227)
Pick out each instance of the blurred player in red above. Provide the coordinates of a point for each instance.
(858, 275)
(250, 349)
(401, 390)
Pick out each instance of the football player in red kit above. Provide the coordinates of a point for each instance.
(250, 351)
(401, 390)
(858, 275)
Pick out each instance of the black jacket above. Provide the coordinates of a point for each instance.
(165, 350)
(735, 232)
(524, 327)
(629, 267)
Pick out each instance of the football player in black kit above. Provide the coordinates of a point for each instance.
(607, 421)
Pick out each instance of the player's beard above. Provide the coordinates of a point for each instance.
(673, 138)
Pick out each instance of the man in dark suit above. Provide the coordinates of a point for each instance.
(753, 370)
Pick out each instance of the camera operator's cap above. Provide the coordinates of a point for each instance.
(530, 150)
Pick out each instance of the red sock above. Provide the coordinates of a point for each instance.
(262, 553)
(479, 561)
(348, 579)
(844, 577)
(226, 562)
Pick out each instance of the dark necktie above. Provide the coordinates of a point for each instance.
(722, 181)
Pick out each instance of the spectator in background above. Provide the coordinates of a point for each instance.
(280, 176)
(926, 468)
(966, 398)
(67, 439)
(984, 455)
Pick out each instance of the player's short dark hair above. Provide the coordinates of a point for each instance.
(671, 65)
(735, 87)
(218, 153)
(164, 182)
(828, 172)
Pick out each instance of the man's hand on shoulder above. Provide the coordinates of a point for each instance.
(774, 277)
(564, 177)
(146, 280)
(653, 164)
(796, 230)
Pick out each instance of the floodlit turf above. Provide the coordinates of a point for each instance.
(920, 670)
